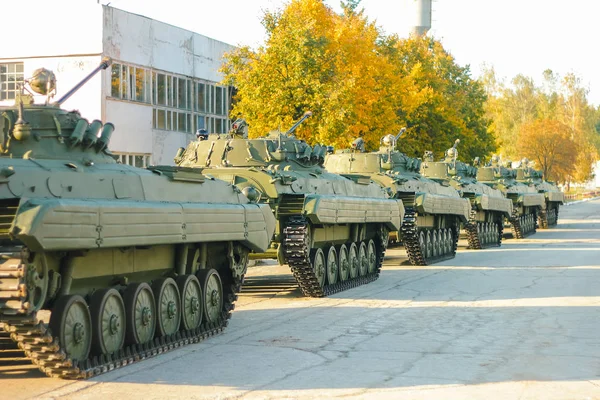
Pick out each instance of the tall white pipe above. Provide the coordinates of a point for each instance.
(422, 17)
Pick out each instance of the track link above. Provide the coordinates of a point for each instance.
(35, 338)
(475, 234)
(524, 225)
(297, 254)
(410, 238)
(543, 219)
(548, 218)
(6, 343)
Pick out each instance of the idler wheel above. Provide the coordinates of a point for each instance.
(212, 288)
(422, 243)
(317, 259)
(72, 324)
(191, 301)
(449, 240)
(436, 243)
(353, 260)
(332, 266)
(428, 245)
(140, 309)
(371, 257)
(168, 306)
(363, 264)
(344, 263)
(108, 321)
(443, 241)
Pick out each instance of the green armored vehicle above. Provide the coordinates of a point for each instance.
(527, 202)
(434, 211)
(489, 207)
(554, 197)
(332, 231)
(104, 264)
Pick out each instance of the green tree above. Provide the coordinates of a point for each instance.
(442, 103)
(357, 82)
(315, 59)
(523, 107)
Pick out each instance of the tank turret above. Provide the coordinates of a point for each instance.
(30, 130)
(489, 207)
(105, 264)
(554, 197)
(433, 210)
(527, 203)
(332, 231)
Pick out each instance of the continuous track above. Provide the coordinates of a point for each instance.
(524, 225)
(483, 235)
(297, 253)
(415, 249)
(548, 218)
(35, 338)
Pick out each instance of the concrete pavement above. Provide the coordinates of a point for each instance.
(521, 321)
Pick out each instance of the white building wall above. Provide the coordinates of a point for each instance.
(73, 43)
(142, 42)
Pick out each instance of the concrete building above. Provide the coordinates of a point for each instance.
(161, 87)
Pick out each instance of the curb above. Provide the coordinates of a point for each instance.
(580, 201)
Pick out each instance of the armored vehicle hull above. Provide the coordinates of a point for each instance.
(433, 212)
(554, 198)
(527, 202)
(489, 207)
(105, 264)
(331, 231)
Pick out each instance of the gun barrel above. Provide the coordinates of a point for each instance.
(106, 62)
(400, 134)
(293, 128)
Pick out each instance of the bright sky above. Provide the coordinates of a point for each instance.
(513, 36)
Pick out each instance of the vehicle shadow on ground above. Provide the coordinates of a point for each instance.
(389, 347)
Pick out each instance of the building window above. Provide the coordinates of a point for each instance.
(171, 84)
(134, 159)
(161, 89)
(115, 81)
(190, 95)
(181, 93)
(11, 75)
(181, 104)
(201, 97)
(124, 93)
(200, 122)
(140, 84)
(168, 120)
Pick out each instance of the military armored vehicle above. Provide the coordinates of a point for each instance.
(105, 264)
(489, 207)
(434, 211)
(527, 202)
(331, 231)
(554, 197)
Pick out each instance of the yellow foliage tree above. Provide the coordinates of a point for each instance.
(315, 59)
(515, 109)
(549, 143)
(357, 82)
